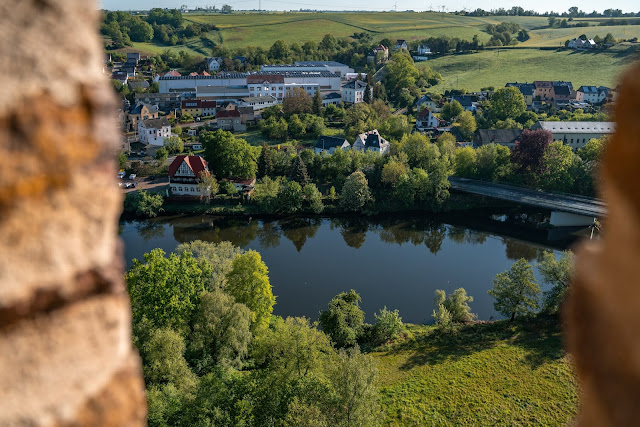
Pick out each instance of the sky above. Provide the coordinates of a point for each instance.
(377, 5)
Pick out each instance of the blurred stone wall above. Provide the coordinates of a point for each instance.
(66, 355)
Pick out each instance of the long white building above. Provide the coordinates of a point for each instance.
(306, 66)
(170, 84)
(576, 134)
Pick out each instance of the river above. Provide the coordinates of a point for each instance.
(397, 262)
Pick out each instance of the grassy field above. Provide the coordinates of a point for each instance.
(262, 29)
(496, 68)
(485, 374)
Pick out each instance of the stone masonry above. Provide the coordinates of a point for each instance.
(66, 355)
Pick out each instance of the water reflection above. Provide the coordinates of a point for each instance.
(311, 259)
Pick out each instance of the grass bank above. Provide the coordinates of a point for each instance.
(499, 373)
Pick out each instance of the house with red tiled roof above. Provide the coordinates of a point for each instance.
(185, 173)
(426, 120)
(230, 120)
(172, 73)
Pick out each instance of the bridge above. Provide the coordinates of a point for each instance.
(566, 209)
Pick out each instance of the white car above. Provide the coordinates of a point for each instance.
(121, 174)
(132, 176)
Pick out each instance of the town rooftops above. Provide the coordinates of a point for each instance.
(196, 163)
(228, 114)
(577, 127)
(561, 90)
(526, 89)
(543, 83)
(323, 73)
(331, 95)
(219, 76)
(354, 84)
(198, 103)
(465, 100)
(137, 109)
(588, 89)
(158, 123)
(498, 136)
(326, 142)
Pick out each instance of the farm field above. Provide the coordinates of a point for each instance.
(506, 373)
(242, 29)
(497, 67)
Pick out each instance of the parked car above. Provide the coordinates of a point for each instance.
(132, 176)
(121, 174)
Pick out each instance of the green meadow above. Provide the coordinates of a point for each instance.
(499, 66)
(498, 373)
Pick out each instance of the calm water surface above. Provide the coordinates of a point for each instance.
(398, 262)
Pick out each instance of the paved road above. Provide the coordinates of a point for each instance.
(554, 201)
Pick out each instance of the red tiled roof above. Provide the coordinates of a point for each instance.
(196, 163)
(261, 78)
(424, 113)
(172, 73)
(204, 73)
(228, 114)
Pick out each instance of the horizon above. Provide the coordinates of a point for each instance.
(542, 6)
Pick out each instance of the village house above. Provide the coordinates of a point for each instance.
(331, 98)
(423, 49)
(230, 120)
(172, 73)
(506, 137)
(198, 107)
(426, 120)
(468, 102)
(427, 102)
(592, 94)
(526, 89)
(400, 44)
(544, 90)
(576, 134)
(371, 141)
(213, 64)
(329, 144)
(373, 56)
(257, 102)
(164, 101)
(562, 93)
(185, 174)
(578, 43)
(154, 131)
(353, 92)
(140, 111)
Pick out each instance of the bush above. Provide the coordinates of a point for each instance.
(442, 318)
(457, 304)
(388, 325)
(143, 203)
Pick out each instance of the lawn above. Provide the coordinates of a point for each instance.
(497, 67)
(498, 373)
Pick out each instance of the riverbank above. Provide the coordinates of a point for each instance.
(514, 373)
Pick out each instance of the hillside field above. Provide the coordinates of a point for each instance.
(262, 29)
(497, 67)
(498, 373)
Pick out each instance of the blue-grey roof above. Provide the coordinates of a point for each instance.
(331, 95)
(588, 89)
(577, 127)
(321, 63)
(355, 84)
(326, 142)
(465, 100)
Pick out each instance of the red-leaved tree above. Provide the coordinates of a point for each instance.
(527, 153)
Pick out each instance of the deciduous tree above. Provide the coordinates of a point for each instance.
(344, 319)
(515, 290)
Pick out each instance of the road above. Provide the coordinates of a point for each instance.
(558, 202)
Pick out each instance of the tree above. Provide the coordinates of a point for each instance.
(299, 171)
(289, 197)
(313, 198)
(592, 150)
(166, 290)
(297, 129)
(466, 124)
(207, 187)
(122, 160)
(392, 171)
(265, 194)
(143, 203)
(164, 361)
(162, 154)
(219, 256)
(442, 318)
(228, 156)
(395, 127)
(352, 376)
(355, 191)
(515, 290)
(493, 162)
(451, 110)
(265, 162)
(316, 106)
(557, 165)
(388, 324)
(344, 319)
(528, 153)
(457, 304)
(221, 334)
(173, 145)
(405, 191)
(557, 273)
(507, 102)
(420, 152)
(465, 162)
(296, 101)
(367, 94)
(248, 283)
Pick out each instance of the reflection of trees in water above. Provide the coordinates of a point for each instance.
(434, 237)
(353, 231)
(516, 249)
(299, 230)
(462, 235)
(418, 231)
(150, 229)
(269, 234)
(238, 232)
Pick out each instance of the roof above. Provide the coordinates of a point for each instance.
(158, 123)
(271, 78)
(196, 163)
(498, 136)
(137, 109)
(331, 95)
(221, 89)
(355, 84)
(373, 140)
(561, 90)
(321, 63)
(577, 127)
(425, 98)
(142, 84)
(465, 100)
(588, 89)
(330, 142)
(267, 98)
(172, 73)
(198, 103)
(525, 88)
(423, 114)
(224, 114)
(225, 75)
(543, 83)
(295, 73)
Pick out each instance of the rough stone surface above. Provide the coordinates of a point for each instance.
(66, 355)
(603, 312)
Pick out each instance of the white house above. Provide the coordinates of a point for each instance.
(329, 144)
(578, 43)
(331, 98)
(154, 131)
(400, 44)
(185, 173)
(591, 94)
(426, 120)
(213, 64)
(371, 141)
(427, 102)
(353, 92)
(424, 50)
(258, 102)
(576, 134)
